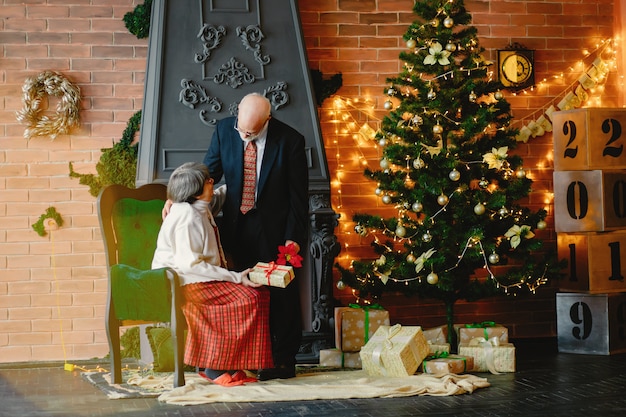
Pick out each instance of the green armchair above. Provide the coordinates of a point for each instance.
(130, 220)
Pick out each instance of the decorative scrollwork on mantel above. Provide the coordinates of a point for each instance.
(277, 95)
(323, 249)
(233, 73)
(251, 37)
(211, 38)
(193, 94)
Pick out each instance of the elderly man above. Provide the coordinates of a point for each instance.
(264, 165)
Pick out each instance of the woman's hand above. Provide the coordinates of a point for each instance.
(166, 208)
(246, 281)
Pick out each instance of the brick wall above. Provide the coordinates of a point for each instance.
(52, 288)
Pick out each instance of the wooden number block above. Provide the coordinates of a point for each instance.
(594, 261)
(589, 138)
(589, 201)
(591, 323)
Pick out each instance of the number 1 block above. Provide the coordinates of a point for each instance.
(589, 201)
(594, 261)
(590, 138)
(591, 323)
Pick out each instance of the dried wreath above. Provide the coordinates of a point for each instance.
(35, 89)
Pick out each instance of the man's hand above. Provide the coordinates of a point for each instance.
(166, 208)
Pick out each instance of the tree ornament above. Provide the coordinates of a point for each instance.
(360, 230)
(494, 258)
(388, 105)
(541, 224)
(448, 22)
(427, 237)
(400, 231)
(520, 173)
(418, 163)
(483, 183)
(450, 47)
(431, 94)
(498, 95)
(391, 91)
(417, 207)
(472, 97)
(384, 163)
(386, 199)
(437, 129)
(432, 278)
(341, 285)
(442, 200)
(479, 209)
(382, 142)
(410, 43)
(378, 192)
(454, 175)
(434, 23)
(410, 258)
(503, 212)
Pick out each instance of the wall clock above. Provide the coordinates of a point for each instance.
(516, 68)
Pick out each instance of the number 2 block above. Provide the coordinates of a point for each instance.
(596, 262)
(589, 201)
(590, 138)
(591, 323)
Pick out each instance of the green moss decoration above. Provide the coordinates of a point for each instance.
(117, 165)
(129, 343)
(325, 87)
(138, 21)
(50, 220)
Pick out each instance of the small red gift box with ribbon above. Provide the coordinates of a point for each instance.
(272, 274)
(354, 325)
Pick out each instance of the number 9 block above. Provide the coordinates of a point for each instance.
(590, 138)
(591, 323)
(589, 201)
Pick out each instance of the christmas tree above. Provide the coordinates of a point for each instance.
(447, 167)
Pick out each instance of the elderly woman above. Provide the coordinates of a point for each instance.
(227, 314)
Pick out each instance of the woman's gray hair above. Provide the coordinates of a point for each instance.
(187, 182)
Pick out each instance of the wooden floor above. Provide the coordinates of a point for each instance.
(547, 383)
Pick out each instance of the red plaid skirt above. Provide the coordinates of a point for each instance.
(228, 326)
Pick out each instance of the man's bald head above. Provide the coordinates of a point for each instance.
(254, 112)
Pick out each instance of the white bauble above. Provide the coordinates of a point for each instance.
(411, 43)
(386, 199)
(418, 163)
(541, 224)
(442, 200)
(384, 163)
(388, 105)
(479, 209)
(454, 175)
(341, 285)
(427, 237)
(410, 258)
(417, 207)
(378, 191)
(448, 22)
(400, 231)
(494, 258)
(382, 142)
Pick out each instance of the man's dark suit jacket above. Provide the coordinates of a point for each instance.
(282, 195)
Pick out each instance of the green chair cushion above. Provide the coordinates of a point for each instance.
(141, 295)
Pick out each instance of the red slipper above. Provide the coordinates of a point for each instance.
(224, 380)
(243, 376)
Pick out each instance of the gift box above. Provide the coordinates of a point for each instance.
(395, 351)
(338, 359)
(437, 348)
(450, 364)
(437, 339)
(271, 274)
(485, 330)
(354, 325)
(490, 355)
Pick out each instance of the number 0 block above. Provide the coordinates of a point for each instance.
(589, 201)
(591, 323)
(594, 261)
(590, 138)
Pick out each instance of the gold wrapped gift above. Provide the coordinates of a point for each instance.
(338, 359)
(450, 364)
(354, 325)
(272, 274)
(436, 349)
(490, 355)
(485, 329)
(395, 351)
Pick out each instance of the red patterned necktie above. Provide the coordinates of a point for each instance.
(249, 177)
